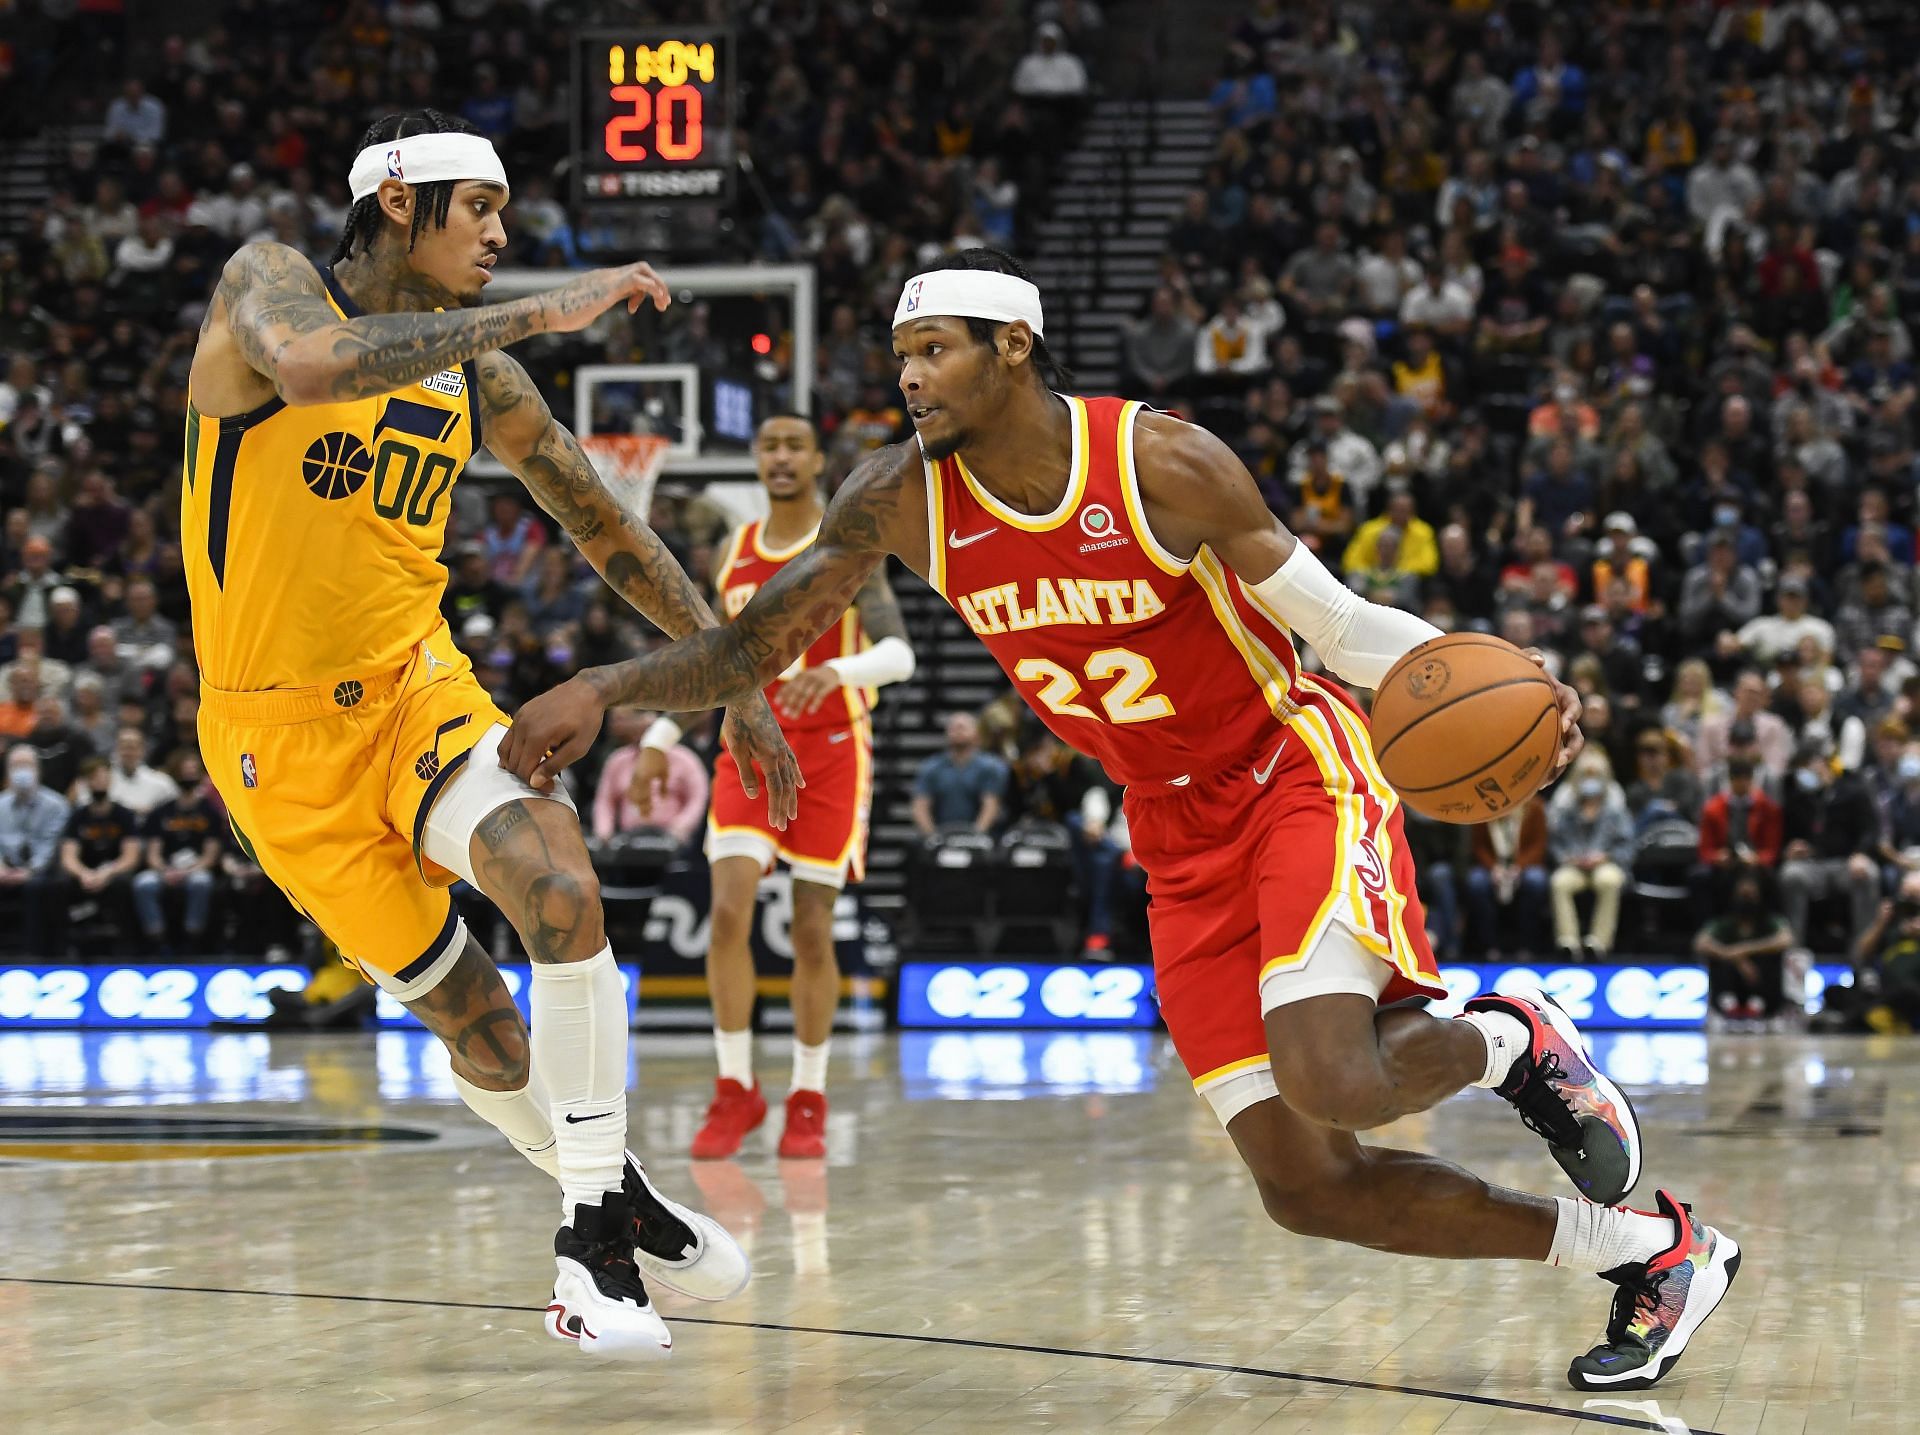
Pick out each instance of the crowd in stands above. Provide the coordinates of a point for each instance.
(1591, 325)
(871, 140)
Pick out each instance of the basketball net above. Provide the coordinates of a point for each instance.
(630, 465)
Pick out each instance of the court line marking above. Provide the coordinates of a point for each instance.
(1586, 1417)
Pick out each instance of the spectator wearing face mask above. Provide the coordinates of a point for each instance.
(1833, 837)
(1592, 847)
(1742, 948)
(32, 819)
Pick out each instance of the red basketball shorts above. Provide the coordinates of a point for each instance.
(827, 840)
(1281, 875)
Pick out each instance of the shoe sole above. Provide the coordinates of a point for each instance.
(1715, 1281)
(1563, 1023)
(615, 1344)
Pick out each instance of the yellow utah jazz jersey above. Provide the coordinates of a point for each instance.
(312, 535)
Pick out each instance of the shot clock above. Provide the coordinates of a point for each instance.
(653, 115)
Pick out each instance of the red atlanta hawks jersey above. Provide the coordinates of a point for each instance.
(745, 566)
(1156, 667)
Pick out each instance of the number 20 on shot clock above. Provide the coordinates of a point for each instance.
(652, 115)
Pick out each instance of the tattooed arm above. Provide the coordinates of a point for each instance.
(518, 427)
(887, 659)
(866, 521)
(275, 307)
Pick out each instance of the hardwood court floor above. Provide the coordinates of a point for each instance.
(1013, 1233)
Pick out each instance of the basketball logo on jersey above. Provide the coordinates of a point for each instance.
(335, 465)
(426, 767)
(1368, 867)
(249, 774)
(348, 693)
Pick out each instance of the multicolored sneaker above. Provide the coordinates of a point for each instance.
(677, 1246)
(1563, 1096)
(734, 1112)
(805, 1136)
(1659, 1305)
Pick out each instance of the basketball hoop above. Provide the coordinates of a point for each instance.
(630, 463)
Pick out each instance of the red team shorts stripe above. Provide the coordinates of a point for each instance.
(827, 841)
(1316, 839)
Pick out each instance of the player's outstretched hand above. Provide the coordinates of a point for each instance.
(755, 741)
(551, 732)
(577, 303)
(807, 689)
(1572, 739)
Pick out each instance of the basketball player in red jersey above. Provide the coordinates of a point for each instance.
(822, 704)
(1121, 566)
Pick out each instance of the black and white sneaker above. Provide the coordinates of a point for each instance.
(598, 1300)
(678, 1247)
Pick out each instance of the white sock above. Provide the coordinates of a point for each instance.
(810, 1065)
(1597, 1238)
(735, 1050)
(1507, 1040)
(580, 1050)
(522, 1116)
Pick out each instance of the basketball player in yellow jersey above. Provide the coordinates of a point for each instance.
(330, 412)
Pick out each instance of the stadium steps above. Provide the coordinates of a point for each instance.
(951, 671)
(1097, 255)
(26, 179)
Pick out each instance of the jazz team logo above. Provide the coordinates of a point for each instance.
(913, 296)
(249, 774)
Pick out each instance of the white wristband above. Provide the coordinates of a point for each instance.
(888, 661)
(663, 736)
(1358, 640)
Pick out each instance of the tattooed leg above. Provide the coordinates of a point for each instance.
(529, 858)
(532, 863)
(471, 1012)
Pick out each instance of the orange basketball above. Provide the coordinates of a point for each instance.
(1465, 727)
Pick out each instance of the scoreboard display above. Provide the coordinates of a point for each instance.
(653, 115)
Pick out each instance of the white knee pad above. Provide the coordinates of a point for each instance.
(481, 788)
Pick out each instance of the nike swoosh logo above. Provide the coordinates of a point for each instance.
(573, 1120)
(954, 540)
(838, 736)
(1261, 774)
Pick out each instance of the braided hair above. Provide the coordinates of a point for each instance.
(1052, 373)
(432, 198)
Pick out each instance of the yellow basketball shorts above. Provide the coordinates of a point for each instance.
(329, 787)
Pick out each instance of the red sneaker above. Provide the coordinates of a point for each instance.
(805, 1138)
(735, 1111)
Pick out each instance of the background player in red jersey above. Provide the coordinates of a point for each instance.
(822, 703)
(1124, 570)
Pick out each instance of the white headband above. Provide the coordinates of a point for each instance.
(423, 159)
(970, 294)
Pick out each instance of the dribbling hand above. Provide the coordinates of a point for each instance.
(1572, 739)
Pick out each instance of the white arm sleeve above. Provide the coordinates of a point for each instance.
(888, 661)
(1357, 640)
(664, 734)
